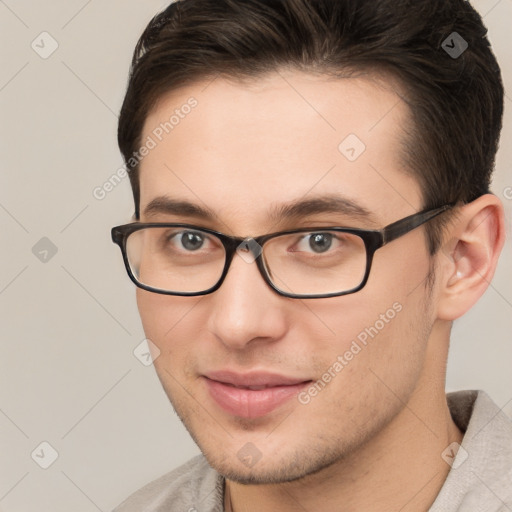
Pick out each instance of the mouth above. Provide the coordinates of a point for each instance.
(251, 395)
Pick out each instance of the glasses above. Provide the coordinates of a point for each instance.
(185, 260)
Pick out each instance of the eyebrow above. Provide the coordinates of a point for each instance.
(292, 211)
(295, 210)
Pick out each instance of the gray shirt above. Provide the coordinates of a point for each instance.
(480, 479)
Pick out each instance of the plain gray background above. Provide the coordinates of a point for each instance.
(69, 376)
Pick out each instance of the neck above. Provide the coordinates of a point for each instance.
(401, 468)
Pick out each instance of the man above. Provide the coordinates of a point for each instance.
(309, 365)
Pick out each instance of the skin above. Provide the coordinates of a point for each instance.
(374, 435)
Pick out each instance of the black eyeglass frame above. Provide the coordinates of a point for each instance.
(373, 240)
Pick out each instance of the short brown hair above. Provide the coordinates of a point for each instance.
(456, 101)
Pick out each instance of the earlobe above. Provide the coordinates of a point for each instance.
(468, 261)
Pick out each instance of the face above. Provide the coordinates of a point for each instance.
(243, 151)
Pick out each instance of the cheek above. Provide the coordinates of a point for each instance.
(370, 370)
(400, 268)
(161, 316)
(166, 320)
(385, 333)
(350, 321)
(152, 310)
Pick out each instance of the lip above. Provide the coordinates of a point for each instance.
(232, 391)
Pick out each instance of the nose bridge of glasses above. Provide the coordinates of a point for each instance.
(249, 249)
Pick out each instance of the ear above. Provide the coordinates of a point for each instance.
(469, 256)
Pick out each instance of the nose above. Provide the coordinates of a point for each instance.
(245, 309)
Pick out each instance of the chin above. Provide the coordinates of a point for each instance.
(296, 467)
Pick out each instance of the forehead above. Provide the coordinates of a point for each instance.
(237, 148)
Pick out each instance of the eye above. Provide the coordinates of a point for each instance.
(191, 240)
(319, 242)
(187, 241)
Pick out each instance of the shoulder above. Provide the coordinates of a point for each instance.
(481, 473)
(193, 487)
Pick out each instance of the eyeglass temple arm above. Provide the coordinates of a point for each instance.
(403, 226)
